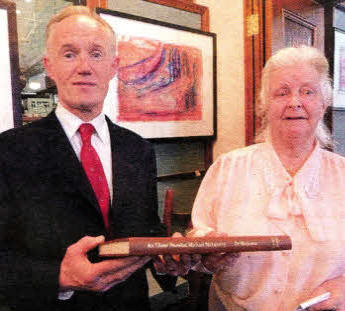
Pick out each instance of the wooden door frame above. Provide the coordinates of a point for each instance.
(257, 49)
(97, 3)
(189, 6)
(185, 5)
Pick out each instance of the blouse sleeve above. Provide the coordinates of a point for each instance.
(206, 202)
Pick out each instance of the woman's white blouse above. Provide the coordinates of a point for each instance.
(249, 192)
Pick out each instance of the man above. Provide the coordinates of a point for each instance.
(52, 212)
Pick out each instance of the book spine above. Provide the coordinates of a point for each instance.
(149, 246)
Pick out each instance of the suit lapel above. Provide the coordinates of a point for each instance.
(67, 162)
(116, 158)
(121, 166)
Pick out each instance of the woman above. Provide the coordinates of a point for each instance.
(286, 185)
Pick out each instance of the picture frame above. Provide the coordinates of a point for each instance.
(339, 69)
(10, 115)
(165, 86)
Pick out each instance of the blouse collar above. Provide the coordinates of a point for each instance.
(305, 184)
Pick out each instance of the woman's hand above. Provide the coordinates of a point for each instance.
(216, 262)
(175, 264)
(336, 301)
(181, 264)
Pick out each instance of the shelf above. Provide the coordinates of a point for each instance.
(182, 175)
(27, 119)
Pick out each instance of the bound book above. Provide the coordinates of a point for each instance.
(192, 245)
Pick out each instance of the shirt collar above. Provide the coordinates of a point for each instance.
(71, 123)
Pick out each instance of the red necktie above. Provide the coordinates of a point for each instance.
(94, 170)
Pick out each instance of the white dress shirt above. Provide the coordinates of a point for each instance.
(249, 192)
(100, 140)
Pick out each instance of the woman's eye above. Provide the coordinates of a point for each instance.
(307, 91)
(96, 54)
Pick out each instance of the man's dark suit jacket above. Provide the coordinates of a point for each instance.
(47, 204)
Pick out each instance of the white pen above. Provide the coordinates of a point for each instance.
(308, 303)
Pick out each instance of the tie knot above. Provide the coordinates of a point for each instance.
(86, 130)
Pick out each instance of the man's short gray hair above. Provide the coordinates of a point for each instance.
(78, 10)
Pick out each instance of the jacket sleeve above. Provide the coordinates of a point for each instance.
(26, 281)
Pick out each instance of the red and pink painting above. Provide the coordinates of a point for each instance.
(158, 81)
(165, 86)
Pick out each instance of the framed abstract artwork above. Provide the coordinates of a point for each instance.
(166, 81)
(10, 115)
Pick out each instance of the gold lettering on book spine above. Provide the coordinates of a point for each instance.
(245, 243)
(275, 242)
(186, 244)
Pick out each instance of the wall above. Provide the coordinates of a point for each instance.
(226, 20)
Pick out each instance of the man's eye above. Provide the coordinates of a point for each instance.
(69, 55)
(281, 93)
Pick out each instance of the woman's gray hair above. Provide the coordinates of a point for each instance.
(292, 56)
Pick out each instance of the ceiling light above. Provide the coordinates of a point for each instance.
(18, 12)
(28, 1)
(34, 85)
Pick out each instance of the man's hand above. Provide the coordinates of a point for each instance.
(336, 301)
(78, 273)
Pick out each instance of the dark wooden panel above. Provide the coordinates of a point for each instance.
(297, 22)
(184, 192)
(179, 157)
(298, 31)
(329, 2)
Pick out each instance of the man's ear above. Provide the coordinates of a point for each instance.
(47, 66)
(115, 65)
